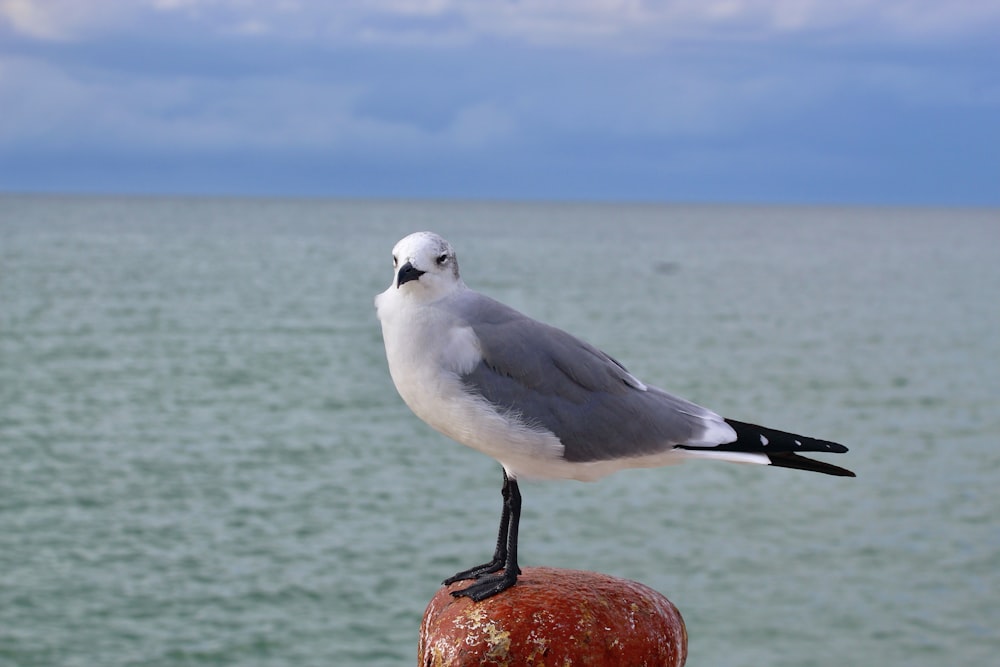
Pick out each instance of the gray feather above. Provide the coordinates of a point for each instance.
(552, 379)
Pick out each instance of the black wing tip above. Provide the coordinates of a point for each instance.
(760, 439)
(796, 462)
(836, 448)
(783, 448)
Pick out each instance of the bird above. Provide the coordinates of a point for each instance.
(542, 402)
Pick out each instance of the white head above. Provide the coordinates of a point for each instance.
(425, 266)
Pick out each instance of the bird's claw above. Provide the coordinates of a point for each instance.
(487, 586)
(477, 572)
(474, 572)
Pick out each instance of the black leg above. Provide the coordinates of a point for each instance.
(500, 553)
(504, 558)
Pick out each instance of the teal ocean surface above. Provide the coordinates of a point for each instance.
(203, 460)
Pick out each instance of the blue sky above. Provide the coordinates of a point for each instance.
(856, 101)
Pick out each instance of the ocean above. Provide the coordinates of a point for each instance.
(203, 460)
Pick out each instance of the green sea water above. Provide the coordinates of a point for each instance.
(203, 460)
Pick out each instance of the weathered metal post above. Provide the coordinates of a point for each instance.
(554, 617)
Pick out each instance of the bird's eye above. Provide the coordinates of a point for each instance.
(395, 261)
(442, 258)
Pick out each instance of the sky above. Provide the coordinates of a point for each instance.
(882, 102)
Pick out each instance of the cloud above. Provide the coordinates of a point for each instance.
(49, 109)
(617, 95)
(610, 23)
(65, 20)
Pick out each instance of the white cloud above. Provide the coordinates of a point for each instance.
(407, 105)
(619, 23)
(47, 108)
(250, 27)
(64, 20)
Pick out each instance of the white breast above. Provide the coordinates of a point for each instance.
(428, 351)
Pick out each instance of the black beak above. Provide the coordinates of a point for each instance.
(407, 272)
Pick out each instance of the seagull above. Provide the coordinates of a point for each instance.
(543, 403)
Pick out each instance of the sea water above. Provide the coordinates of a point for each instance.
(203, 460)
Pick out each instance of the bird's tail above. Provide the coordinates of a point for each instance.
(781, 448)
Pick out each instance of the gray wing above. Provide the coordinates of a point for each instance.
(549, 378)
